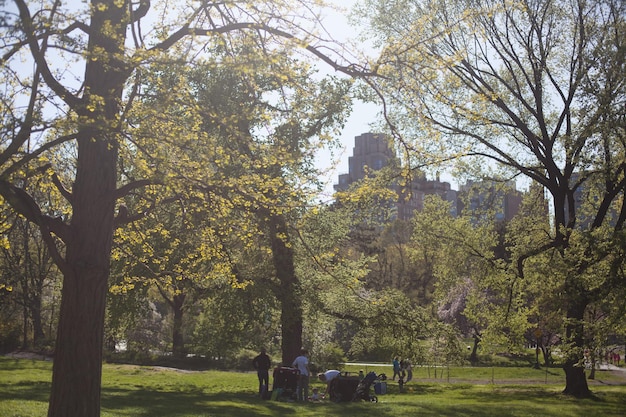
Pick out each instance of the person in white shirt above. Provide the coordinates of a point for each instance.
(327, 377)
(302, 363)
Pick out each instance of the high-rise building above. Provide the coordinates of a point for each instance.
(502, 200)
(587, 202)
(372, 151)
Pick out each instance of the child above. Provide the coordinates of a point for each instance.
(316, 395)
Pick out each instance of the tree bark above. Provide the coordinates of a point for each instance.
(575, 379)
(178, 342)
(38, 334)
(288, 291)
(77, 369)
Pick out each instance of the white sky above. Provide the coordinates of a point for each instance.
(362, 116)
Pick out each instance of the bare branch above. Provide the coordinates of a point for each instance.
(352, 70)
(40, 59)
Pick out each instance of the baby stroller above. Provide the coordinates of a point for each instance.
(343, 387)
(363, 389)
(285, 382)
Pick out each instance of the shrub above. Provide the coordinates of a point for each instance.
(330, 356)
(241, 361)
(10, 334)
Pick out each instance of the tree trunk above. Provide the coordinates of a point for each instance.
(178, 343)
(78, 352)
(575, 379)
(288, 292)
(547, 355)
(25, 324)
(38, 334)
(77, 369)
(291, 323)
(77, 366)
(474, 354)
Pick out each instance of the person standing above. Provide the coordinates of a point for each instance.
(396, 368)
(409, 370)
(302, 363)
(262, 364)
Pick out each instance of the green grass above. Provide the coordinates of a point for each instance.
(146, 391)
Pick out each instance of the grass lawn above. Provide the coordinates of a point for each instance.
(152, 392)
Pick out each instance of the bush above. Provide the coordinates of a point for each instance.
(242, 361)
(330, 356)
(10, 334)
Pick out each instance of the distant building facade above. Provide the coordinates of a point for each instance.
(502, 201)
(372, 151)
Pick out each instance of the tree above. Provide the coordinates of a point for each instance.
(264, 175)
(26, 266)
(535, 89)
(463, 256)
(165, 251)
(51, 106)
(338, 255)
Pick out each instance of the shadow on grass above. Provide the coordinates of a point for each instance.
(9, 364)
(428, 400)
(26, 391)
(425, 403)
(142, 402)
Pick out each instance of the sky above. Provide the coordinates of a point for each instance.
(361, 118)
(363, 114)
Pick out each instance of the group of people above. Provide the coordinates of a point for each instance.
(403, 369)
(613, 357)
(262, 364)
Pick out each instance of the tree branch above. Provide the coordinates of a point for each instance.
(40, 59)
(352, 70)
(26, 206)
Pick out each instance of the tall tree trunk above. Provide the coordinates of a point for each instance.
(474, 354)
(38, 334)
(289, 294)
(78, 352)
(575, 379)
(178, 343)
(77, 369)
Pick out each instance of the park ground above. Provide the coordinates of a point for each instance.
(137, 391)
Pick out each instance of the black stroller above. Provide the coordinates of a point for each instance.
(285, 383)
(362, 392)
(343, 387)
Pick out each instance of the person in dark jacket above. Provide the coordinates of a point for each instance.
(262, 364)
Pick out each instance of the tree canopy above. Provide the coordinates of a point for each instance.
(528, 89)
(73, 74)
